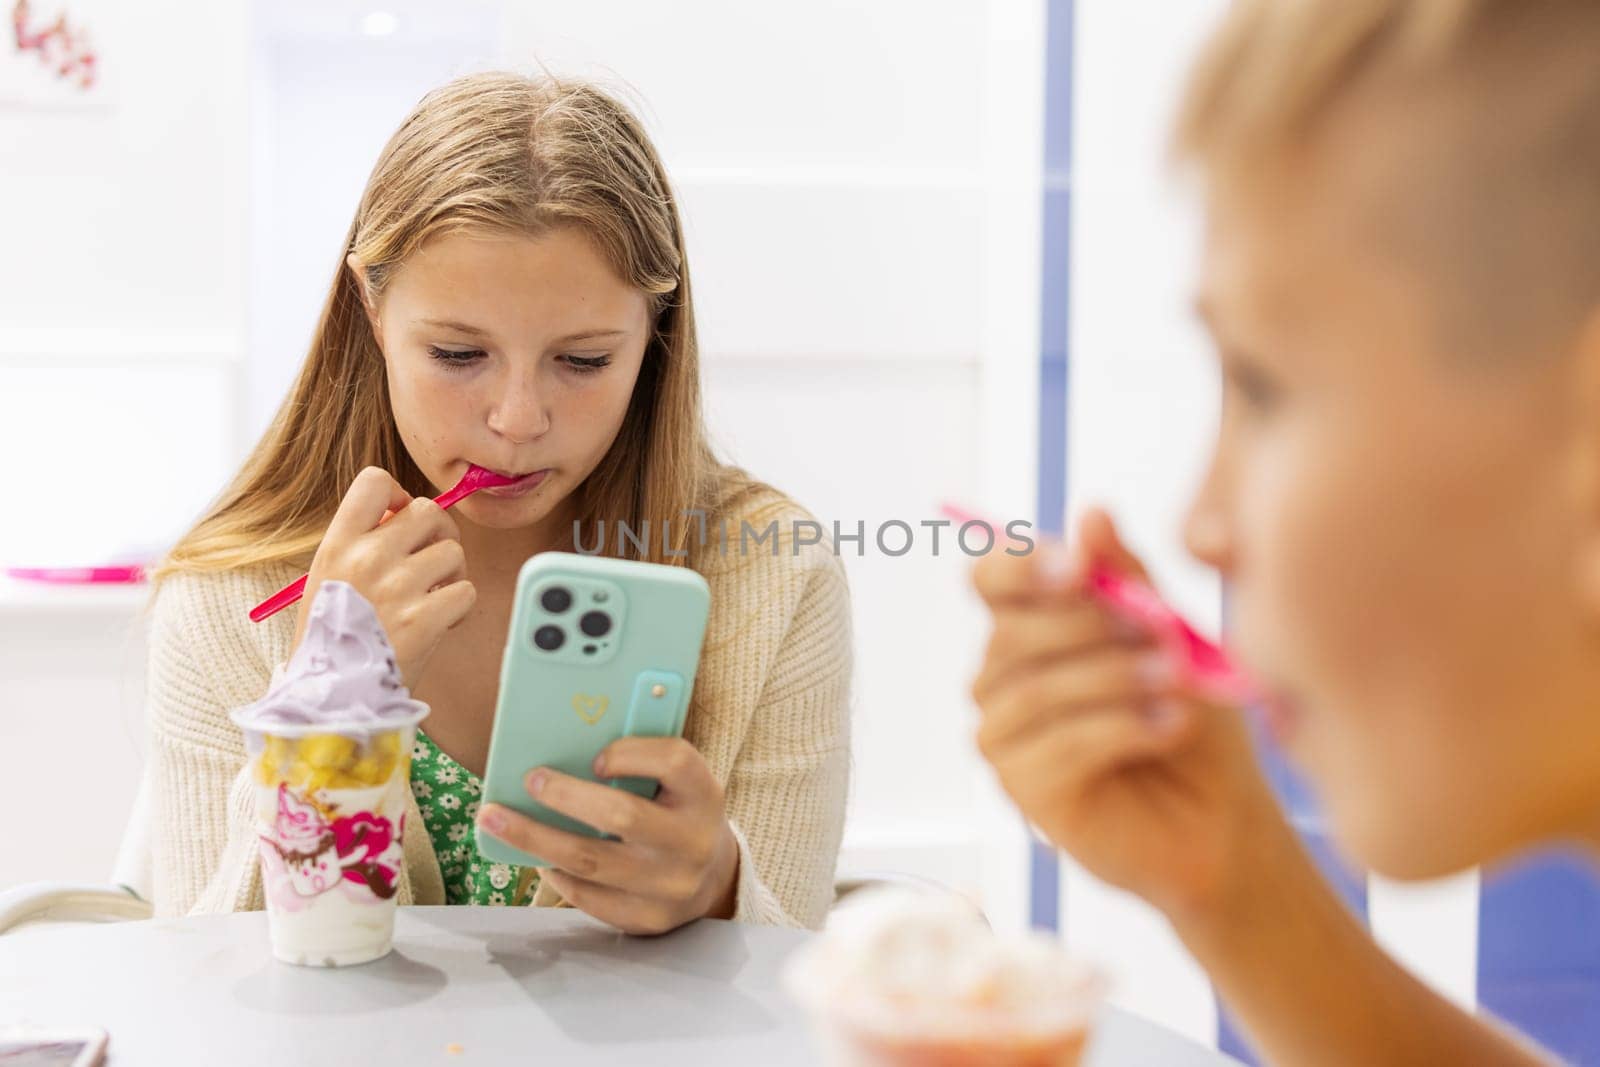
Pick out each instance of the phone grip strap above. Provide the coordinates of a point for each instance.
(656, 709)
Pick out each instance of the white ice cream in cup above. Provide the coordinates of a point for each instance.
(904, 979)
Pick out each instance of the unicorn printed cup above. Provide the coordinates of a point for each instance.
(330, 813)
(329, 751)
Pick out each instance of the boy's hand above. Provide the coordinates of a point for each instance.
(1158, 793)
(1149, 788)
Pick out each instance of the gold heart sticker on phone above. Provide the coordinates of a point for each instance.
(590, 709)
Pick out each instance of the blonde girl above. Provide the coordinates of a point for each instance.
(513, 293)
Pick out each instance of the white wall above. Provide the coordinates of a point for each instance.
(121, 326)
(324, 97)
(121, 292)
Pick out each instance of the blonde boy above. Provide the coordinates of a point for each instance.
(1402, 278)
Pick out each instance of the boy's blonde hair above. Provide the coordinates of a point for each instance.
(1505, 94)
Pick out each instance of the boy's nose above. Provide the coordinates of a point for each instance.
(1206, 530)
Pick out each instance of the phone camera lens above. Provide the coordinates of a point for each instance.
(555, 600)
(595, 623)
(549, 638)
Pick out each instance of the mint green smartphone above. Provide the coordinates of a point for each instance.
(599, 649)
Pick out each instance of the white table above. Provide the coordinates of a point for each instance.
(464, 986)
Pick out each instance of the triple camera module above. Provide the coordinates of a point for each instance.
(578, 616)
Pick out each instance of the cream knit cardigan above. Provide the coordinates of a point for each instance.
(770, 714)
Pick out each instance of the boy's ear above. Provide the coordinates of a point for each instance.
(359, 271)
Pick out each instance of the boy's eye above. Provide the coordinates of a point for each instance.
(587, 364)
(455, 357)
(1252, 385)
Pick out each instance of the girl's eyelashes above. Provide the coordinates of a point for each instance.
(587, 364)
(462, 357)
(456, 357)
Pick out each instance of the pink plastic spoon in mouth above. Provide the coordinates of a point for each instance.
(1201, 662)
(476, 478)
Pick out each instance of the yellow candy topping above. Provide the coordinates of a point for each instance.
(330, 761)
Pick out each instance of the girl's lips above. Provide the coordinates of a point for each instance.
(523, 485)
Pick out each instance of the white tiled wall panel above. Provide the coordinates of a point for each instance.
(131, 214)
(727, 83)
(71, 726)
(811, 427)
(108, 456)
(837, 270)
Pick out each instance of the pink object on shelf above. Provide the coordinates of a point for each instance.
(476, 478)
(1202, 663)
(122, 575)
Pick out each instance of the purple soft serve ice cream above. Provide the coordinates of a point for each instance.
(342, 676)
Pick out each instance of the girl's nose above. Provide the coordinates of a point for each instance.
(520, 415)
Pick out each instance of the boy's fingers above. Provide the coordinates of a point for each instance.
(1033, 701)
(1029, 635)
(1077, 752)
(1051, 568)
(1100, 542)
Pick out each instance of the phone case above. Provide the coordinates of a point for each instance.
(559, 707)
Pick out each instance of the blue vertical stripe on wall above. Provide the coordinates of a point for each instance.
(1044, 882)
(1539, 952)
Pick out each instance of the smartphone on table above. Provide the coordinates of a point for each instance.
(599, 649)
(23, 1046)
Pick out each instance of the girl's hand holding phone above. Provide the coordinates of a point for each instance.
(404, 556)
(1149, 787)
(675, 860)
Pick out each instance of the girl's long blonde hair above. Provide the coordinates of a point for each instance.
(501, 153)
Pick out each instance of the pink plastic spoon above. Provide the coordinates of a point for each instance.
(1201, 662)
(476, 478)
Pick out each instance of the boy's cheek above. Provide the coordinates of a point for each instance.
(1294, 619)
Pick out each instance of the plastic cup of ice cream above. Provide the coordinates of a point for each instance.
(903, 979)
(329, 751)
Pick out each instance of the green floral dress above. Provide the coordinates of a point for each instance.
(448, 796)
